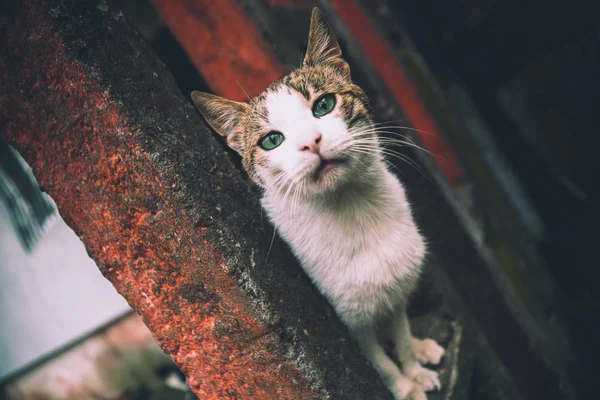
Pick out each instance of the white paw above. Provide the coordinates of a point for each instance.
(407, 390)
(402, 388)
(417, 394)
(423, 377)
(427, 351)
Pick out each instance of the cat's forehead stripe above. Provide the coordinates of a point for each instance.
(299, 85)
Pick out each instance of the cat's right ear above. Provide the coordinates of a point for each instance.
(222, 115)
(322, 47)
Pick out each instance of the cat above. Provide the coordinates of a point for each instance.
(310, 142)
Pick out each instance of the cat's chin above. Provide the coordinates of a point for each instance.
(329, 175)
(327, 167)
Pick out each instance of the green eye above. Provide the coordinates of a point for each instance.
(323, 105)
(271, 140)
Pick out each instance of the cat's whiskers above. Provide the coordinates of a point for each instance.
(292, 184)
(281, 177)
(372, 137)
(296, 198)
(371, 141)
(370, 153)
(279, 181)
(346, 140)
(377, 145)
(404, 127)
(382, 138)
(409, 143)
(394, 153)
(383, 132)
(370, 147)
(243, 90)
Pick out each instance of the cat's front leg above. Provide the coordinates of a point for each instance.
(401, 387)
(403, 346)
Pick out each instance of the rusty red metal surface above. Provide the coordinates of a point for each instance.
(224, 45)
(403, 90)
(84, 153)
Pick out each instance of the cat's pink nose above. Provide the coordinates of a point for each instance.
(311, 144)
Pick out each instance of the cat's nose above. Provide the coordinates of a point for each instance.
(311, 144)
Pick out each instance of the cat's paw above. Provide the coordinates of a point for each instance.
(427, 351)
(417, 394)
(423, 377)
(402, 388)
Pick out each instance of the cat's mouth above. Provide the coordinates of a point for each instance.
(327, 165)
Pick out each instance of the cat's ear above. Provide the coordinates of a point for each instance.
(323, 48)
(223, 115)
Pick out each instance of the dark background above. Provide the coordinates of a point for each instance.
(531, 69)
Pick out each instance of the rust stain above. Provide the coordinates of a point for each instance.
(71, 132)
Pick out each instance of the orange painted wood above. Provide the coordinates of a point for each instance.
(224, 45)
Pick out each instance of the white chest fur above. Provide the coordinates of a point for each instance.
(363, 252)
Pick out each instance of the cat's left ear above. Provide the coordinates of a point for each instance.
(323, 48)
(223, 115)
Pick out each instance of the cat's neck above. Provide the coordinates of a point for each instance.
(369, 187)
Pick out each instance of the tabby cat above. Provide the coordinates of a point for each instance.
(310, 142)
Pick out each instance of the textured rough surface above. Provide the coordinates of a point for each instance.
(163, 212)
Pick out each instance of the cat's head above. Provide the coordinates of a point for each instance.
(312, 129)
